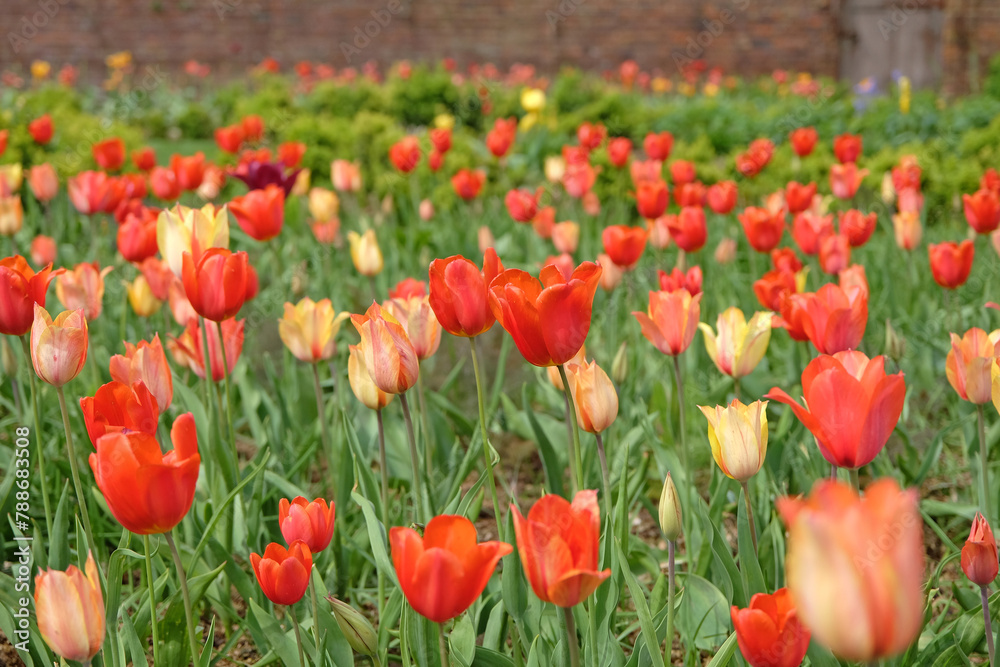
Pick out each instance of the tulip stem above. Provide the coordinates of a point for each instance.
(38, 438)
(152, 599)
(414, 461)
(986, 618)
(315, 603)
(575, 449)
(571, 640)
(592, 620)
(229, 401)
(442, 645)
(186, 594)
(682, 428)
(321, 415)
(75, 472)
(753, 528)
(425, 427)
(736, 388)
(671, 591)
(384, 470)
(606, 478)
(298, 635)
(855, 480)
(485, 438)
(984, 500)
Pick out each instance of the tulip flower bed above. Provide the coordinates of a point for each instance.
(546, 381)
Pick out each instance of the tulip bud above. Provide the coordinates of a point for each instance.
(725, 252)
(426, 210)
(979, 555)
(486, 240)
(70, 610)
(670, 510)
(358, 630)
(895, 344)
(595, 397)
(619, 367)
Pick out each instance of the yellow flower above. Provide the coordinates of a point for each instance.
(11, 176)
(141, 297)
(119, 60)
(661, 84)
(323, 204)
(40, 70)
(555, 168)
(194, 230)
(308, 329)
(904, 95)
(302, 181)
(738, 436)
(711, 89)
(738, 346)
(670, 510)
(11, 215)
(365, 253)
(444, 121)
(533, 100)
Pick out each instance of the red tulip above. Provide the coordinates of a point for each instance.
(521, 204)
(559, 543)
(188, 349)
(579, 179)
(564, 263)
(283, 574)
(688, 229)
(803, 140)
(619, 150)
(144, 159)
(658, 145)
(682, 172)
(624, 244)
(4, 134)
(763, 228)
(230, 138)
(189, 170)
(548, 319)
(260, 213)
(41, 129)
(290, 153)
(785, 259)
(136, 238)
(309, 522)
(109, 154)
(834, 319)
(467, 183)
(651, 198)
(851, 406)
(773, 286)
(769, 632)
(43, 181)
(645, 170)
(500, 138)
(591, 135)
(95, 192)
(148, 492)
(459, 293)
(722, 197)
(809, 229)
(20, 289)
(145, 363)
(253, 128)
(834, 253)
(441, 139)
(43, 250)
(799, 197)
(982, 210)
(857, 226)
(443, 572)
(216, 285)
(951, 262)
(163, 182)
(671, 321)
(690, 194)
(979, 554)
(845, 179)
(544, 222)
(847, 148)
(792, 318)
(120, 408)
(677, 279)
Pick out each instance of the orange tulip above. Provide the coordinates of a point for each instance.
(769, 632)
(405, 154)
(855, 567)
(189, 351)
(144, 159)
(70, 611)
(389, 355)
(775, 285)
(970, 363)
(722, 197)
(522, 205)
(671, 321)
(809, 230)
(308, 329)
(799, 197)
(803, 140)
(651, 198)
(216, 285)
(148, 492)
(345, 176)
(619, 150)
(690, 280)
(847, 147)
(95, 192)
(549, 319)
(20, 290)
(982, 210)
(230, 138)
(43, 250)
(136, 237)
(109, 154)
(979, 554)
(845, 179)
(443, 572)
(364, 388)
(145, 363)
(624, 244)
(559, 543)
(763, 228)
(658, 145)
(120, 408)
(188, 170)
(951, 262)
(283, 574)
(44, 182)
(310, 522)
(688, 228)
(419, 322)
(260, 213)
(834, 319)
(908, 229)
(59, 347)
(566, 236)
(857, 226)
(594, 396)
(253, 128)
(82, 288)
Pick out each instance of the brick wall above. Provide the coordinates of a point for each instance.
(742, 36)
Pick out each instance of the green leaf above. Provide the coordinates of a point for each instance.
(753, 578)
(489, 658)
(703, 616)
(725, 652)
(58, 545)
(376, 537)
(725, 557)
(645, 619)
(550, 460)
(268, 633)
(462, 641)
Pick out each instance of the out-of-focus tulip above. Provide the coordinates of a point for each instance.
(11, 177)
(951, 262)
(845, 179)
(785, 259)
(671, 321)
(11, 215)
(645, 170)
(418, 320)
(148, 492)
(260, 213)
(773, 286)
(591, 135)
(290, 153)
(555, 168)
(145, 363)
(970, 363)
(41, 129)
(809, 229)
(725, 252)
(70, 611)
(95, 192)
(611, 273)
(564, 263)
(43, 251)
(43, 181)
(109, 154)
(834, 319)
(323, 204)
(803, 140)
(831, 560)
(345, 176)
(190, 230)
(799, 197)
(141, 297)
(737, 346)
(651, 198)
(83, 288)
(120, 408)
(163, 182)
(659, 232)
(4, 135)
(136, 238)
(441, 139)
(426, 210)
(738, 436)
(309, 328)
(682, 172)
(405, 154)
(851, 406)
(361, 382)
(216, 285)
(658, 145)
(688, 228)
(908, 229)
(544, 221)
(188, 350)
(189, 170)
(159, 276)
(566, 236)
(982, 210)
(769, 632)
(467, 183)
(310, 522)
(722, 197)
(144, 159)
(253, 128)
(501, 137)
(857, 226)
(459, 293)
(408, 287)
(594, 396)
(763, 228)
(834, 253)
(669, 510)
(389, 355)
(443, 572)
(365, 253)
(619, 150)
(690, 194)
(624, 244)
(549, 319)
(579, 179)
(690, 280)
(559, 543)
(847, 148)
(853, 278)
(979, 554)
(521, 204)
(283, 574)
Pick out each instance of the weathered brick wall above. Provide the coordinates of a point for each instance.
(742, 36)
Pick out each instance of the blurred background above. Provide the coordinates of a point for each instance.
(947, 44)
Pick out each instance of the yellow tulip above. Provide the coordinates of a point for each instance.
(194, 230)
(141, 297)
(323, 204)
(737, 346)
(669, 510)
(738, 436)
(11, 215)
(11, 176)
(365, 253)
(533, 100)
(40, 70)
(308, 329)
(362, 385)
